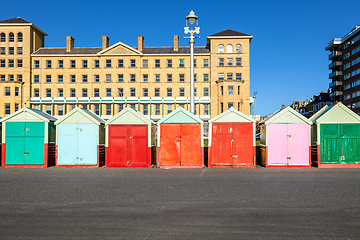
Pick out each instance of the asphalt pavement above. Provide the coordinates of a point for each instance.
(85, 203)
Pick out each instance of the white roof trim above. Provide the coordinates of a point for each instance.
(117, 44)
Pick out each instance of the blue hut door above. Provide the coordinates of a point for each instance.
(87, 150)
(67, 144)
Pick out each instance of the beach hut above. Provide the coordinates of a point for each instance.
(80, 139)
(0, 140)
(285, 139)
(232, 140)
(28, 139)
(130, 139)
(336, 137)
(180, 140)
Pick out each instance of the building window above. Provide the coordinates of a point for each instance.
(229, 48)
(132, 78)
(168, 108)
(120, 78)
(16, 106)
(2, 51)
(230, 105)
(206, 92)
(60, 78)
(16, 91)
(221, 90)
(238, 62)
(195, 77)
(72, 92)
(108, 109)
(169, 77)
(182, 105)
(229, 61)
(221, 107)
(205, 62)
(221, 48)
(60, 110)
(72, 78)
(97, 109)
(96, 78)
(3, 37)
(238, 48)
(60, 64)
(108, 63)
(145, 92)
(238, 76)
(132, 92)
(2, 77)
(145, 109)
(60, 92)
(36, 92)
(96, 92)
(36, 78)
(157, 92)
(157, 63)
(7, 108)
(229, 76)
(11, 77)
(36, 64)
(195, 63)
(157, 109)
(96, 63)
(132, 63)
(19, 77)
(2, 63)
(84, 92)
(108, 92)
(239, 90)
(221, 62)
(206, 109)
(11, 62)
(145, 78)
(169, 92)
(11, 50)
(120, 107)
(7, 91)
(48, 63)
(84, 78)
(132, 106)
(145, 63)
(169, 63)
(181, 63)
(19, 50)
(221, 76)
(120, 63)
(181, 77)
(48, 92)
(120, 92)
(72, 106)
(19, 63)
(157, 77)
(72, 64)
(206, 77)
(108, 78)
(181, 92)
(195, 92)
(48, 78)
(230, 90)
(84, 63)
(11, 37)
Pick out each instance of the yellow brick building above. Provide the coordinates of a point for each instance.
(106, 79)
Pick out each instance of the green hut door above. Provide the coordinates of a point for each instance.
(340, 143)
(24, 143)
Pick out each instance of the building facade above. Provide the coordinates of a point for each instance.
(345, 69)
(106, 79)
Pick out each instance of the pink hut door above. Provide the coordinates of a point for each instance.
(298, 144)
(277, 144)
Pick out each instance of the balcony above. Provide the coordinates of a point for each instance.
(336, 93)
(335, 74)
(335, 64)
(335, 54)
(335, 84)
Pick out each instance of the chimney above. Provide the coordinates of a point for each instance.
(69, 43)
(140, 43)
(176, 42)
(105, 42)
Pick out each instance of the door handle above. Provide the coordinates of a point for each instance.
(26, 153)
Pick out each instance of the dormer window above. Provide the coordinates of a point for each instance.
(221, 48)
(229, 48)
(238, 48)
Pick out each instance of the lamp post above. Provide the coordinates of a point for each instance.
(192, 18)
(255, 94)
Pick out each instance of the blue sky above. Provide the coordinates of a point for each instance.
(288, 60)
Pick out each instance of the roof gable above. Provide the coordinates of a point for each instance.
(79, 115)
(29, 114)
(119, 49)
(180, 115)
(286, 115)
(318, 113)
(337, 114)
(129, 116)
(230, 33)
(232, 115)
(14, 20)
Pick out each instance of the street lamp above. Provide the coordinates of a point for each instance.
(255, 95)
(192, 18)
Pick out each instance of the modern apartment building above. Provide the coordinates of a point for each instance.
(106, 79)
(345, 69)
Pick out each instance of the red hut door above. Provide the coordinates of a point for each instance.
(232, 144)
(180, 144)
